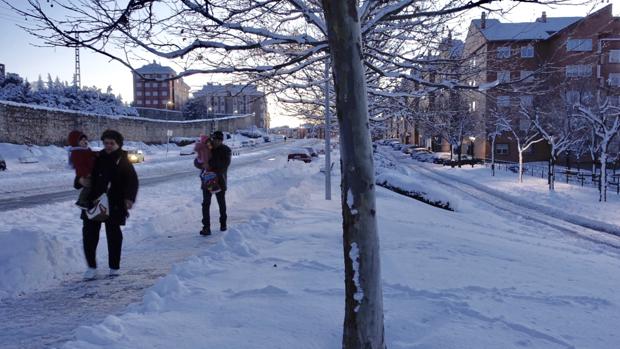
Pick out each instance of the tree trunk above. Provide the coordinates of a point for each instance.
(493, 156)
(363, 322)
(520, 165)
(552, 173)
(603, 178)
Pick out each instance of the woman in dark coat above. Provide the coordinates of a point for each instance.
(114, 174)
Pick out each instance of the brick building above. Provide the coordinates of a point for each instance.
(230, 99)
(567, 59)
(150, 93)
(2, 72)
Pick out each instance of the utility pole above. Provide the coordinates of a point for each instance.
(328, 136)
(77, 79)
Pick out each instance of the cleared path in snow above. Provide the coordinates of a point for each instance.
(48, 318)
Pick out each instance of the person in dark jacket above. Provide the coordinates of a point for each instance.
(112, 174)
(218, 163)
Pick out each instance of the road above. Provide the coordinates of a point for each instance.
(52, 195)
(48, 318)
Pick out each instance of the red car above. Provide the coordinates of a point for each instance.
(300, 154)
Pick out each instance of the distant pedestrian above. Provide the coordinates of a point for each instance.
(114, 176)
(218, 163)
(82, 158)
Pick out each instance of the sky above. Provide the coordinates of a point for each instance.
(22, 54)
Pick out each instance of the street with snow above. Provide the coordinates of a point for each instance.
(489, 273)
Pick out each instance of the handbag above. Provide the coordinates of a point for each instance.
(101, 208)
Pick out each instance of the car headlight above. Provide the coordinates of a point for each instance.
(133, 157)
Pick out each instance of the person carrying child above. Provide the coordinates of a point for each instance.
(82, 159)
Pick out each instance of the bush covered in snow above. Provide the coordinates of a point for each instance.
(59, 95)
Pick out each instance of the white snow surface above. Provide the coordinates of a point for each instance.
(474, 278)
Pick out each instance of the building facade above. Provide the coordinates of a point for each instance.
(2, 72)
(151, 92)
(230, 99)
(551, 61)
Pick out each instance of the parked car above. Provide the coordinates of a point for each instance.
(300, 154)
(2, 164)
(135, 156)
(439, 158)
(267, 139)
(313, 153)
(416, 149)
(187, 150)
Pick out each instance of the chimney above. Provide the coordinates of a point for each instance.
(544, 17)
(483, 20)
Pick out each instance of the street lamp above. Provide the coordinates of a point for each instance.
(170, 105)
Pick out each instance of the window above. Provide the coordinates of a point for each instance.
(147, 84)
(138, 93)
(503, 101)
(501, 149)
(527, 51)
(524, 124)
(155, 93)
(148, 101)
(614, 79)
(473, 106)
(503, 76)
(147, 93)
(527, 101)
(579, 45)
(527, 75)
(503, 52)
(580, 70)
(473, 62)
(164, 93)
(572, 97)
(614, 56)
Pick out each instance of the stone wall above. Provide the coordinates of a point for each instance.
(21, 123)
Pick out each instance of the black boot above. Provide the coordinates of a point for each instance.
(205, 231)
(223, 225)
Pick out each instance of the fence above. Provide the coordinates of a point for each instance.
(562, 174)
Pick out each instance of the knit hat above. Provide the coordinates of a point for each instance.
(113, 134)
(204, 138)
(74, 138)
(218, 135)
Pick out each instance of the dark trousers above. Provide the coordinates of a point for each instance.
(90, 238)
(206, 206)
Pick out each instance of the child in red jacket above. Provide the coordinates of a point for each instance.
(203, 155)
(83, 160)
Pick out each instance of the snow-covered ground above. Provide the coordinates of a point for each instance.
(568, 200)
(477, 277)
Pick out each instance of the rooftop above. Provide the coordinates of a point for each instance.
(539, 30)
(155, 68)
(229, 89)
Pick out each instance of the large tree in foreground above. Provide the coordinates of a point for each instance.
(274, 39)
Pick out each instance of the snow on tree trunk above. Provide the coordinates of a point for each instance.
(363, 322)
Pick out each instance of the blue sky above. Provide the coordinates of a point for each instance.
(20, 55)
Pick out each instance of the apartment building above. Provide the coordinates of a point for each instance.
(230, 99)
(565, 59)
(151, 92)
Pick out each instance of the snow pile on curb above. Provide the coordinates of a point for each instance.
(415, 187)
(32, 259)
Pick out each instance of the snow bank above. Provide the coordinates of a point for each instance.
(418, 188)
(34, 259)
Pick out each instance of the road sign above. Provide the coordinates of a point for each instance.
(169, 133)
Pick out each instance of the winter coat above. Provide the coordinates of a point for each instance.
(116, 170)
(82, 159)
(219, 162)
(203, 153)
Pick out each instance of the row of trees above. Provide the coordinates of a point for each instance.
(61, 95)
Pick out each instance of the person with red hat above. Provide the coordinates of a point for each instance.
(83, 161)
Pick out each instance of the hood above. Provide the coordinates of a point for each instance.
(74, 138)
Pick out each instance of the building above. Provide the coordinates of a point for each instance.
(2, 72)
(151, 92)
(564, 60)
(230, 99)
